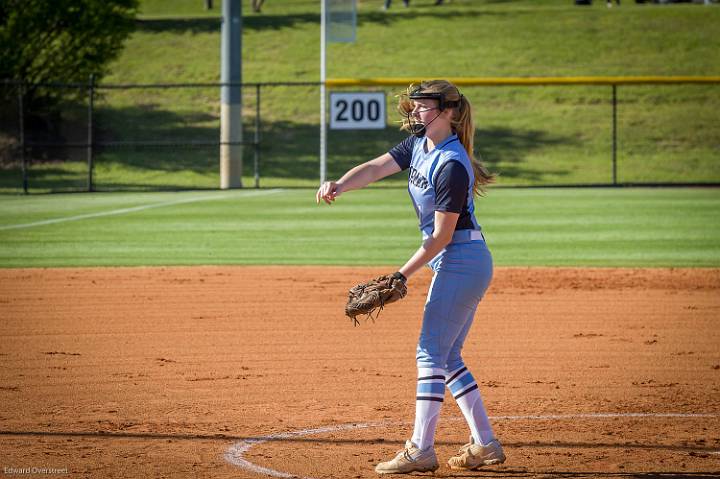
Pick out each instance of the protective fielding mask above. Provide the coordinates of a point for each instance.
(419, 128)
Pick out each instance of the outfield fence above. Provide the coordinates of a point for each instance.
(569, 131)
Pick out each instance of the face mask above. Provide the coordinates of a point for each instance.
(418, 128)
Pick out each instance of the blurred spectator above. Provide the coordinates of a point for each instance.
(257, 5)
(389, 2)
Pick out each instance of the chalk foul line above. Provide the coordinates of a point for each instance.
(134, 209)
(235, 454)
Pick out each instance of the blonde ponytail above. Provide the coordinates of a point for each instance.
(464, 127)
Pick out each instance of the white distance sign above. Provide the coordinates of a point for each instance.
(357, 111)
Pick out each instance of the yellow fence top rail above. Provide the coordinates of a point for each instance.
(498, 81)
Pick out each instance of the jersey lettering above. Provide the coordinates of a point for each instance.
(416, 179)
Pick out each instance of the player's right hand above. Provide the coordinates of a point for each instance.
(327, 192)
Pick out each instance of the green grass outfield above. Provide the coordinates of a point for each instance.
(639, 227)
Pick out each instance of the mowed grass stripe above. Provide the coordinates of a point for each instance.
(17, 209)
(133, 209)
(524, 227)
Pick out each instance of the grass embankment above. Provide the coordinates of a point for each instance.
(538, 135)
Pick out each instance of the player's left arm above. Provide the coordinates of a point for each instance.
(451, 186)
(445, 222)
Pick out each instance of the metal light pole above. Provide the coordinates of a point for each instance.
(338, 21)
(323, 121)
(231, 96)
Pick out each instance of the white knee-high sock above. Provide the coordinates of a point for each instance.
(428, 402)
(464, 389)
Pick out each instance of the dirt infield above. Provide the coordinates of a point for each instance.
(254, 372)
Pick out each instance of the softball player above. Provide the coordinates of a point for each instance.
(443, 179)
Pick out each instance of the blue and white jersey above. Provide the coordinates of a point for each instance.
(439, 180)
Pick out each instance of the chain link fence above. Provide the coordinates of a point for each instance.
(167, 136)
